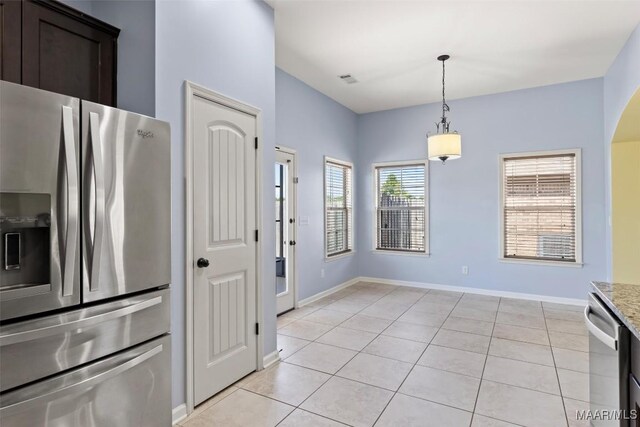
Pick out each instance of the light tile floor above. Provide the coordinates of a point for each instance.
(377, 354)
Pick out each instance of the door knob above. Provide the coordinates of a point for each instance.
(292, 242)
(202, 263)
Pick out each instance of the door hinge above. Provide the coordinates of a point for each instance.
(256, 235)
(256, 142)
(257, 328)
(295, 180)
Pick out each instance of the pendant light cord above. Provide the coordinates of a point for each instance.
(444, 103)
(445, 107)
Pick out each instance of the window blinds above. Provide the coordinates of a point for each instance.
(539, 207)
(400, 205)
(338, 208)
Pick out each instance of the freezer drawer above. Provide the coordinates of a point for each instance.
(45, 346)
(39, 201)
(130, 389)
(126, 202)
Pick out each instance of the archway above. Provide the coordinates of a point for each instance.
(625, 194)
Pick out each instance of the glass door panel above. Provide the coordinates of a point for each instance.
(281, 229)
(285, 230)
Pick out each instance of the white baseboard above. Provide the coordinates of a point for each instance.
(270, 359)
(179, 413)
(479, 291)
(329, 291)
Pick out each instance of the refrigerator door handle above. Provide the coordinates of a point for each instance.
(87, 322)
(606, 339)
(98, 167)
(70, 389)
(71, 237)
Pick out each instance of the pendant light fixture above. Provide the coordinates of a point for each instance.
(444, 145)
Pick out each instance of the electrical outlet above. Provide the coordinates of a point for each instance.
(322, 273)
(465, 270)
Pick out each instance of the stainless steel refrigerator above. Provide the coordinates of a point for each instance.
(85, 223)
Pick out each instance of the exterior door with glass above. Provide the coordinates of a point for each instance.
(285, 229)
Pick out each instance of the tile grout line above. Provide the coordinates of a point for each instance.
(333, 327)
(293, 406)
(410, 371)
(189, 418)
(416, 364)
(377, 335)
(422, 354)
(555, 369)
(440, 328)
(473, 411)
(276, 400)
(430, 367)
(484, 366)
(353, 357)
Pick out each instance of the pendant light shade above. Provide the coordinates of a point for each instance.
(444, 145)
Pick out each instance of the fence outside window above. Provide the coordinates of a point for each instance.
(401, 207)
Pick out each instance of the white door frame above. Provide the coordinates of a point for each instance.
(192, 90)
(295, 216)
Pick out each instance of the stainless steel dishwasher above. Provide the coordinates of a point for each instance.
(608, 365)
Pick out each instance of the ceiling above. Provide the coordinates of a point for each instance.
(629, 125)
(390, 46)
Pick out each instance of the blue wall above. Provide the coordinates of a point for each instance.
(620, 83)
(136, 48)
(547, 118)
(315, 126)
(464, 194)
(136, 51)
(84, 6)
(227, 46)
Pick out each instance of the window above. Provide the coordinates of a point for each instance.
(401, 215)
(540, 206)
(338, 207)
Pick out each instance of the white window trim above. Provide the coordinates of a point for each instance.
(339, 256)
(427, 207)
(350, 252)
(400, 253)
(577, 152)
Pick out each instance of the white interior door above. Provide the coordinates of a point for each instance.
(285, 230)
(224, 246)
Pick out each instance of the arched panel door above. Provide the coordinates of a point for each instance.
(224, 246)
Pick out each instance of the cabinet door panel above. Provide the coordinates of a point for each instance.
(10, 40)
(64, 55)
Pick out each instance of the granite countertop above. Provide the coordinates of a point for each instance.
(624, 301)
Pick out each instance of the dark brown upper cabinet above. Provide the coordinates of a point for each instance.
(48, 45)
(11, 40)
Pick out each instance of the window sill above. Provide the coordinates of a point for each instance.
(399, 253)
(541, 262)
(340, 256)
